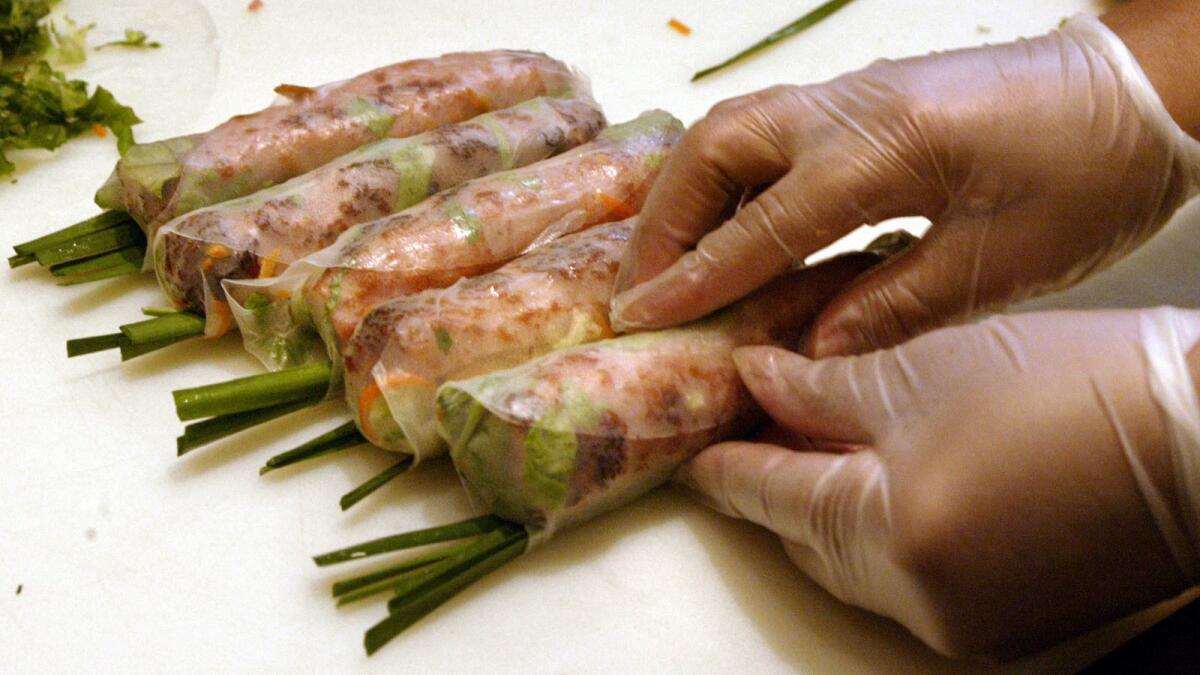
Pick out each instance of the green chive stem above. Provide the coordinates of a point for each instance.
(339, 438)
(411, 585)
(421, 605)
(129, 257)
(202, 433)
(91, 245)
(160, 311)
(253, 392)
(96, 223)
(119, 270)
(399, 542)
(15, 261)
(95, 343)
(132, 351)
(375, 482)
(384, 580)
(798, 26)
(170, 327)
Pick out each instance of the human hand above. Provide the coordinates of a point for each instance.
(993, 487)
(1038, 162)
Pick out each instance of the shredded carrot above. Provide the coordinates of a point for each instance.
(218, 310)
(207, 264)
(606, 330)
(679, 27)
(372, 393)
(218, 251)
(269, 263)
(294, 92)
(255, 5)
(99, 129)
(478, 100)
(617, 208)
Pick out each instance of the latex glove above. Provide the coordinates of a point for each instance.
(1038, 162)
(993, 487)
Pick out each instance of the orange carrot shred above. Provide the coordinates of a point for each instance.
(679, 27)
(617, 208)
(207, 264)
(218, 251)
(255, 5)
(269, 264)
(372, 393)
(99, 129)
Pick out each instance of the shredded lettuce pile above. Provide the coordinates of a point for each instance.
(39, 106)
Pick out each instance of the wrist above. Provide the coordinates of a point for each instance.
(1161, 36)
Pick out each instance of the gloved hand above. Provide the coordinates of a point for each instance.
(1038, 162)
(993, 487)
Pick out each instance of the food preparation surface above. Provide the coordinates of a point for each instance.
(115, 556)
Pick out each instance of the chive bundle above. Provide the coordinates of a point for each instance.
(165, 327)
(102, 247)
(237, 405)
(422, 583)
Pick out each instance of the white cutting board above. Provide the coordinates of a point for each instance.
(132, 560)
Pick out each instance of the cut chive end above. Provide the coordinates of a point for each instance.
(340, 438)
(374, 483)
(398, 542)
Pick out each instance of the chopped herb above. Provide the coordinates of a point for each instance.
(983, 30)
(133, 38)
(444, 342)
(39, 106)
(20, 587)
(21, 31)
(70, 46)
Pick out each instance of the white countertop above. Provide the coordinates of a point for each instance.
(131, 559)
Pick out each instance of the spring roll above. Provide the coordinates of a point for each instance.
(584, 430)
(555, 297)
(310, 311)
(261, 234)
(156, 182)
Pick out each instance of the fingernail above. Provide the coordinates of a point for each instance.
(753, 363)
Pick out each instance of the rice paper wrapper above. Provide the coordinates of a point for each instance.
(462, 232)
(316, 125)
(261, 234)
(552, 298)
(577, 432)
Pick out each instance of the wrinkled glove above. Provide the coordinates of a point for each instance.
(1038, 162)
(993, 487)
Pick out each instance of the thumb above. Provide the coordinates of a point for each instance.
(812, 500)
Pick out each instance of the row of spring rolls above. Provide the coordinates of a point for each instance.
(261, 234)
(156, 182)
(311, 310)
(409, 300)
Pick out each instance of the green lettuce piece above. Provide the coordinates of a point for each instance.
(21, 32)
(366, 113)
(41, 108)
(151, 165)
(69, 46)
(133, 38)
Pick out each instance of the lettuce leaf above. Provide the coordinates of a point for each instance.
(41, 108)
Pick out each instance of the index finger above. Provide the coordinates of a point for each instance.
(738, 145)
